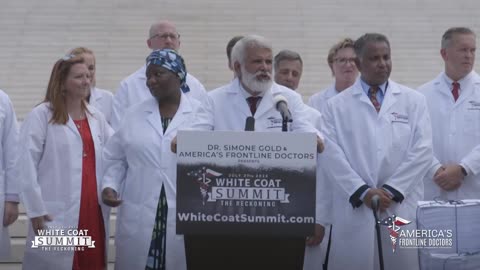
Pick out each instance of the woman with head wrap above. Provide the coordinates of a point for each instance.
(60, 168)
(140, 170)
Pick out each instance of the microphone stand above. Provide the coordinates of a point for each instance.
(285, 121)
(377, 229)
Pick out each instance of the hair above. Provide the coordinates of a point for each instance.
(153, 28)
(448, 35)
(230, 45)
(251, 41)
(342, 44)
(78, 51)
(367, 38)
(55, 90)
(286, 55)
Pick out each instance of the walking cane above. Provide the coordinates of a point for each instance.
(375, 202)
(325, 264)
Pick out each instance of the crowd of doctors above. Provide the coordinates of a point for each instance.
(83, 150)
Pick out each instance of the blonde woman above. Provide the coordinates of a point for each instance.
(60, 161)
(98, 98)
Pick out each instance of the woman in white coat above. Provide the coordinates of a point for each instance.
(138, 158)
(99, 98)
(8, 179)
(60, 166)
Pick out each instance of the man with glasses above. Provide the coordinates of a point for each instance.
(133, 89)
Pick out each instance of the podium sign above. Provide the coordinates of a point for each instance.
(246, 183)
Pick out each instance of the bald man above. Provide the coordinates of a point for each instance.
(133, 89)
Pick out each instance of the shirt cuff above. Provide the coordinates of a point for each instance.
(467, 169)
(355, 199)
(9, 197)
(364, 194)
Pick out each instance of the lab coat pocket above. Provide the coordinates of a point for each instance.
(400, 135)
(128, 219)
(472, 123)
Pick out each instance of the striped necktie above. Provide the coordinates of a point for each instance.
(372, 94)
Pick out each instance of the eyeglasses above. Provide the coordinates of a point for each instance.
(165, 36)
(344, 61)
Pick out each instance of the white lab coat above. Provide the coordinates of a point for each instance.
(227, 109)
(319, 100)
(8, 153)
(103, 101)
(366, 147)
(456, 134)
(139, 157)
(315, 255)
(133, 90)
(50, 166)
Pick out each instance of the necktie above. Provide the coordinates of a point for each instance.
(455, 93)
(252, 103)
(372, 94)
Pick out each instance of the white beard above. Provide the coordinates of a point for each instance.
(252, 83)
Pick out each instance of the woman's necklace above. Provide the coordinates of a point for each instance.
(79, 124)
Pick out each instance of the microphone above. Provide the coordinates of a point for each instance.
(281, 105)
(250, 124)
(375, 202)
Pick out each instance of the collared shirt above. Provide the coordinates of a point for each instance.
(380, 94)
(246, 94)
(462, 82)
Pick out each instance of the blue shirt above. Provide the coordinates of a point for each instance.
(380, 94)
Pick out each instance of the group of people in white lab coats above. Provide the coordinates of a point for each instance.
(82, 153)
(450, 176)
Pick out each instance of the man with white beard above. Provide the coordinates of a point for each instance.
(251, 94)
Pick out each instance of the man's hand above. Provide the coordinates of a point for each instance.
(384, 202)
(38, 223)
(449, 177)
(10, 213)
(109, 197)
(173, 145)
(320, 145)
(317, 238)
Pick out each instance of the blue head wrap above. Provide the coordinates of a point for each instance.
(172, 61)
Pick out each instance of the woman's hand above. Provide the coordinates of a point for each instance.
(38, 223)
(109, 197)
